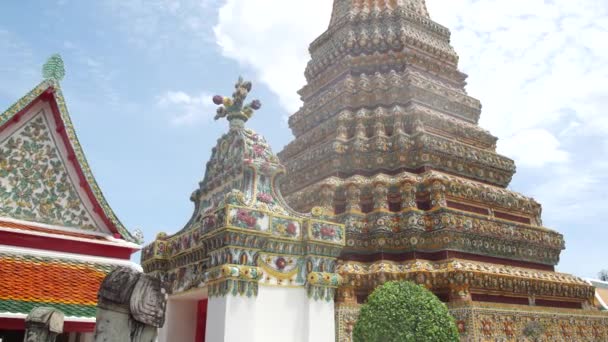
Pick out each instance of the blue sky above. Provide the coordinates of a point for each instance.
(139, 75)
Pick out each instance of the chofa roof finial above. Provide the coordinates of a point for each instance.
(234, 107)
(53, 69)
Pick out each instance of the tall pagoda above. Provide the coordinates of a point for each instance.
(388, 140)
(58, 235)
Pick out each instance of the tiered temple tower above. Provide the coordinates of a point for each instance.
(388, 140)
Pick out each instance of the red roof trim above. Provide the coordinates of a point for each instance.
(58, 244)
(17, 117)
(49, 96)
(33, 226)
(12, 324)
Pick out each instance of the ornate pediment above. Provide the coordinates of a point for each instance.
(44, 174)
(35, 184)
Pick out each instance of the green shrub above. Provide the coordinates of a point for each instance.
(403, 312)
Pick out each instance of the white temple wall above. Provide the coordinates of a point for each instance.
(216, 319)
(321, 323)
(231, 319)
(277, 314)
(282, 314)
(180, 321)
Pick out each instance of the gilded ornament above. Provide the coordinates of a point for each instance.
(234, 107)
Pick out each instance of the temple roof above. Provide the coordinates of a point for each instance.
(242, 161)
(44, 175)
(63, 281)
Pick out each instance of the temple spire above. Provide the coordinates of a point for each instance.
(234, 108)
(53, 69)
(345, 7)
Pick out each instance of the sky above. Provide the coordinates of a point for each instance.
(140, 74)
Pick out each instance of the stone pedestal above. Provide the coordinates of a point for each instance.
(43, 325)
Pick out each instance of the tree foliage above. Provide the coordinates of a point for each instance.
(403, 312)
(603, 275)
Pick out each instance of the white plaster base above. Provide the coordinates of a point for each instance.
(321, 321)
(277, 314)
(281, 314)
(231, 318)
(180, 321)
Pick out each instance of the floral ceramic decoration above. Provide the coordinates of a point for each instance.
(34, 182)
(285, 227)
(326, 232)
(281, 269)
(249, 219)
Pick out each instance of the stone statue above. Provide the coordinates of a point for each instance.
(131, 307)
(43, 325)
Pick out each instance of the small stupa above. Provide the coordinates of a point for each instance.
(246, 267)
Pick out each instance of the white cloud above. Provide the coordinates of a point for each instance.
(271, 37)
(533, 148)
(156, 25)
(94, 76)
(187, 109)
(531, 61)
(539, 67)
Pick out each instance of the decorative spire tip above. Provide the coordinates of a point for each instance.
(233, 107)
(53, 69)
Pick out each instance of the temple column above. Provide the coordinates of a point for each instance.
(342, 130)
(398, 125)
(346, 294)
(437, 190)
(380, 137)
(408, 195)
(380, 193)
(459, 293)
(360, 128)
(359, 142)
(379, 129)
(326, 198)
(353, 200)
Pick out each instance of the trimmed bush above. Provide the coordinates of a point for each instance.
(402, 312)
